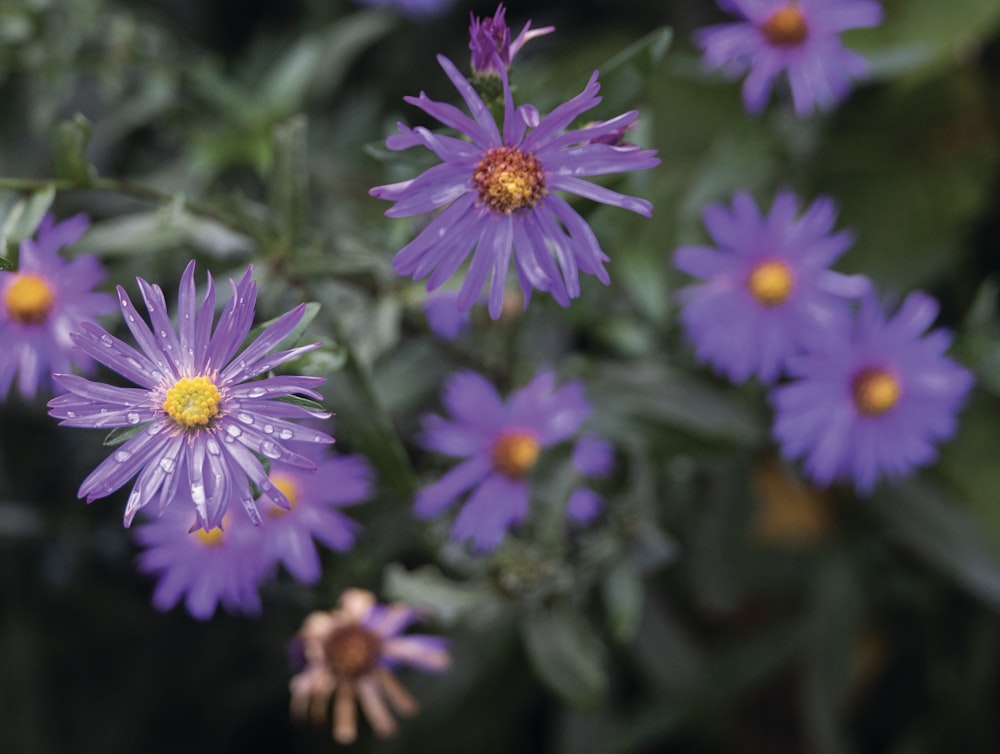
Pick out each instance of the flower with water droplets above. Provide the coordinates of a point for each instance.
(498, 192)
(42, 302)
(765, 293)
(798, 37)
(205, 568)
(490, 42)
(501, 443)
(871, 400)
(350, 654)
(198, 410)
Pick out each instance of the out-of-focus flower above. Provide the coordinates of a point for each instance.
(798, 37)
(498, 190)
(207, 420)
(592, 457)
(500, 443)
(415, 9)
(766, 292)
(872, 400)
(315, 497)
(350, 654)
(224, 565)
(42, 302)
(443, 315)
(489, 40)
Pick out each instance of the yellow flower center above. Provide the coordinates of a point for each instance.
(770, 282)
(192, 402)
(514, 453)
(508, 179)
(786, 27)
(29, 299)
(288, 486)
(353, 651)
(875, 391)
(210, 538)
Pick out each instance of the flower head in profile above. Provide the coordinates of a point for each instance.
(798, 37)
(500, 443)
(221, 566)
(350, 654)
(871, 400)
(204, 423)
(765, 292)
(44, 300)
(497, 189)
(491, 45)
(315, 499)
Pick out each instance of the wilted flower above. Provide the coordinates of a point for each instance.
(203, 422)
(315, 498)
(489, 40)
(498, 194)
(800, 37)
(350, 654)
(500, 443)
(42, 302)
(224, 565)
(871, 400)
(766, 292)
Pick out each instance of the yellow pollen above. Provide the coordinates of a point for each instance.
(508, 180)
(514, 453)
(210, 538)
(353, 651)
(291, 489)
(875, 391)
(786, 27)
(29, 299)
(192, 402)
(770, 282)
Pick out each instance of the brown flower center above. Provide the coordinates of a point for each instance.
(514, 453)
(875, 391)
(508, 180)
(29, 299)
(786, 27)
(353, 651)
(770, 282)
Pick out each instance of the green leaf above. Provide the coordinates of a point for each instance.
(566, 654)
(625, 75)
(289, 181)
(120, 434)
(624, 598)
(6, 265)
(306, 403)
(450, 601)
(24, 217)
(69, 150)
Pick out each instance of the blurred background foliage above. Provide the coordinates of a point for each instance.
(721, 604)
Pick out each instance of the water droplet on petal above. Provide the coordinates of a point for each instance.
(154, 429)
(245, 418)
(198, 493)
(71, 414)
(256, 392)
(286, 434)
(167, 464)
(268, 429)
(106, 340)
(233, 431)
(132, 417)
(212, 446)
(270, 449)
(122, 456)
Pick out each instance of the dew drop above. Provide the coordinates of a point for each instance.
(270, 449)
(286, 434)
(233, 431)
(256, 392)
(245, 418)
(154, 429)
(132, 417)
(71, 414)
(163, 333)
(167, 464)
(106, 340)
(198, 493)
(122, 456)
(212, 446)
(268, 429)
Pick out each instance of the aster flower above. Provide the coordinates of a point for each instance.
(798, 37)
(203, 421)
(351, 652)
(500, 443)
(222, 566)
(490, 43)
(415, 9)
(315, 498)
(592, 457)
(498, 194)
(871, 400)
(766, 292)
(443, 316)
(42, 302)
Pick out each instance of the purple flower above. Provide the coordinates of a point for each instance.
(500, 443)
(593, 456)
(489, 40)
(443, 315)
(415, 9)
(498, 194)
(314, 497)
(871, 400)
(800, 37)
(222, 566)
(766, 292)
(584, 505)
(203, 422)
(42, 302)
(352, 652)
